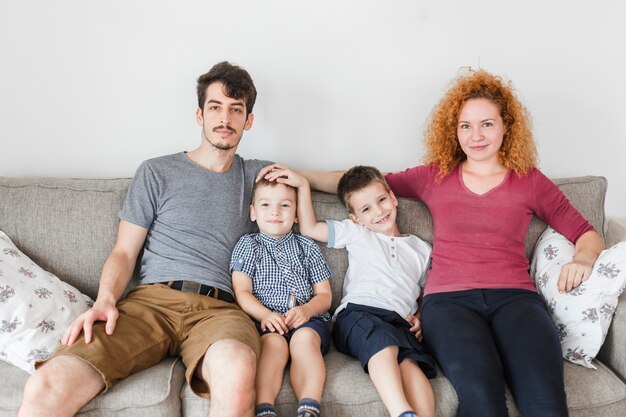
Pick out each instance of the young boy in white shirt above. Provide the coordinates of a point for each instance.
(376, 320)
(280, 279)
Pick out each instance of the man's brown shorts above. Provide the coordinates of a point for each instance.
(156, 321)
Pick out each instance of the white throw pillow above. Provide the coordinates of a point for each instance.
(36, 308)
(583, 315)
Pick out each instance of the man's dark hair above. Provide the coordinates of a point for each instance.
(236, 80)
(355, 179)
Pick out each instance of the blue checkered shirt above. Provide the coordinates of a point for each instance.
(280, 267)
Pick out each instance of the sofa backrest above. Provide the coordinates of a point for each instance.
(68, 226)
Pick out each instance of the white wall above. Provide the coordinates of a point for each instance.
(92, 88)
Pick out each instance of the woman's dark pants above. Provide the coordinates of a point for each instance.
(483, 339)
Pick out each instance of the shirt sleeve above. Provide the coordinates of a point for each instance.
(244, 256)
(255, 166)
(318, 268)
(412, 182)
(141, 203)
(341, 233)
(554, 208)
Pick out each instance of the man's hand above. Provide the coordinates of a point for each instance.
(573, 274)
(101, 311)
(275, 323)
(297, 316)
(416, 326)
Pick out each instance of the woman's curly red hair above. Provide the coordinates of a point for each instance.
(518, 151)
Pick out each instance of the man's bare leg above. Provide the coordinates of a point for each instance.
(229, 368)
(60, 388)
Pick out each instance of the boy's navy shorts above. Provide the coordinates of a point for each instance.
(362, 331)
(321, 327)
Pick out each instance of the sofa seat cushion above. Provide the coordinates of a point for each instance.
(151, 393)
(594, 392)
(349, 392)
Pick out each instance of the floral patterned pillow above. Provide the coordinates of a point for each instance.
(36, 308)
(583, 315)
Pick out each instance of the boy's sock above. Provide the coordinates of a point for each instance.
(408, 414)
(308, 407)
(265, 410)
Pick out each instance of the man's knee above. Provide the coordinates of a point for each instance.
(230, 362)
(229, 368)
(64, 382)
(65, 372)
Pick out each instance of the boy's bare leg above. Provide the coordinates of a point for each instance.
(274, 357)
(385, 374)
(229, 368)
(417, 389)
(60, 388)
(308, 372)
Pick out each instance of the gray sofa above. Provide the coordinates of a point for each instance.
(68, 227)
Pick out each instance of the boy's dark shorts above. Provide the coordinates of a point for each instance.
(321, 327)
(362, 331)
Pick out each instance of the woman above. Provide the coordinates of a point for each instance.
(482, 317)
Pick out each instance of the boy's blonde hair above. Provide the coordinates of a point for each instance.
(267, 183)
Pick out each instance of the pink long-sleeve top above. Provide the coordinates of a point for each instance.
(479, 240)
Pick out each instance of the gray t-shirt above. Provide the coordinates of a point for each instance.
(194, 217)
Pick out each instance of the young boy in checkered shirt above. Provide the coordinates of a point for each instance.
(281, 279)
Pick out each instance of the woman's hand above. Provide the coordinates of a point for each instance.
(588, 248)
(573, 274)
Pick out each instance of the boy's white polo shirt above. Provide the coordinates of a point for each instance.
(383, 271)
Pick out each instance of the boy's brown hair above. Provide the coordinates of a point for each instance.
(357, 178)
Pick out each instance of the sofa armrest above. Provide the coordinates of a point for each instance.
(615, 231)
(612, 352)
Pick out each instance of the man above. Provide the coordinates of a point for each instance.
(186, 211)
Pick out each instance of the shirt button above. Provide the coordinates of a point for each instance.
(393, 256)
(393, 247)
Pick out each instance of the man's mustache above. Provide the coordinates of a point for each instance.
(215, 129)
